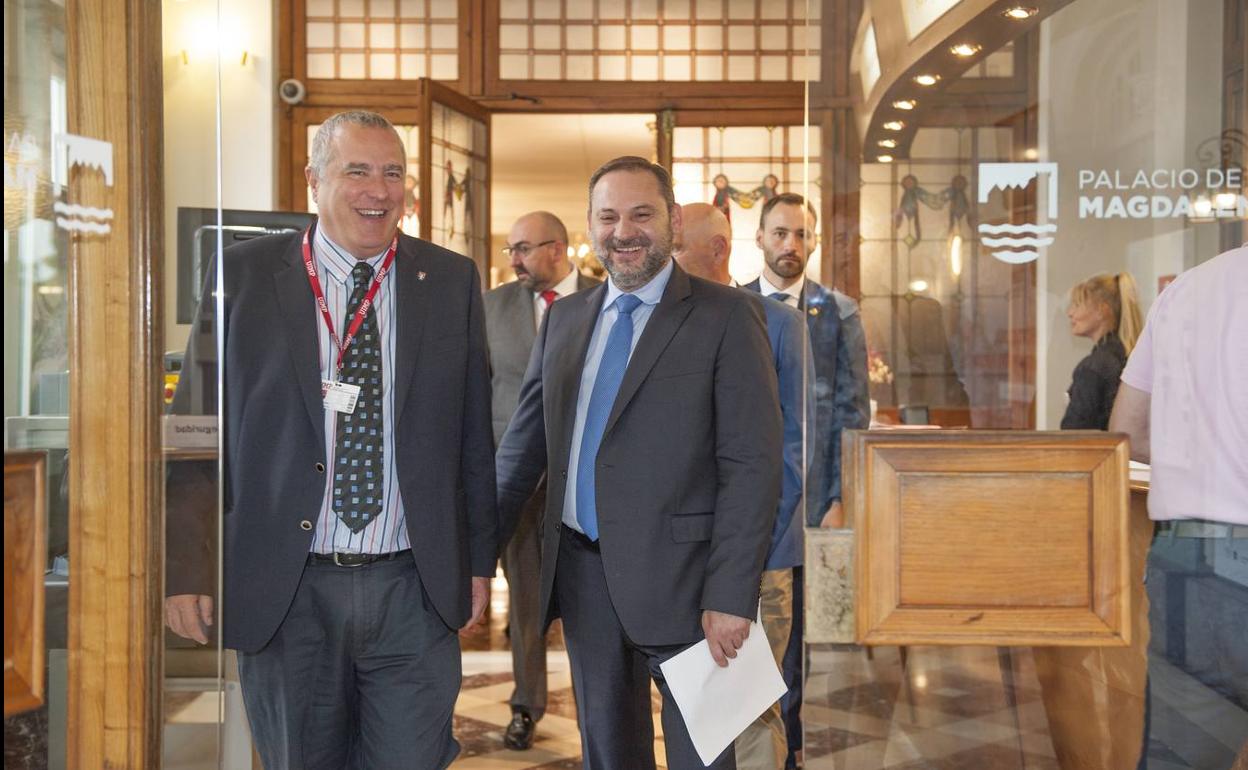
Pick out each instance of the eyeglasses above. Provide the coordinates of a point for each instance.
(522, 249)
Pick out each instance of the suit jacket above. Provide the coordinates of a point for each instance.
(688, 472)
(791, 352)
(274, 447)
(841, 399)
(510, 330)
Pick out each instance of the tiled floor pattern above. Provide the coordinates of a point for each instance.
(959, 708)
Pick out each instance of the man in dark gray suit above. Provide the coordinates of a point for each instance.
(360, 520)
(652, 400)
(537, 246)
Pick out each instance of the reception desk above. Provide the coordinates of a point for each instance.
(1008, 539)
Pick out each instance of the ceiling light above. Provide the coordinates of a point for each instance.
(885, 159)
(918, 285)
(905, 104)
(1019, 12)
(894, 125)
(965, 50)
(927, 80)
(889, 143)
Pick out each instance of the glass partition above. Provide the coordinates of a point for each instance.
(208, 52)
(38, 229)
(1014, 192)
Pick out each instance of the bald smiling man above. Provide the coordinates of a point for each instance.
(703, 251)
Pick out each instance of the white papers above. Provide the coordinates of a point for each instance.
(719, 703)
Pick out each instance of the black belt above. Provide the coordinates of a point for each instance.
(355, 559)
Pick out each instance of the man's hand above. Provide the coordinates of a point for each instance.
(480, 595)
(834, 518)
(189, 616)
(724, 634)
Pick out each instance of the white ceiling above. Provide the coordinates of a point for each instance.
(544, 162)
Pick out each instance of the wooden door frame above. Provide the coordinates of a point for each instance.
(116, 327)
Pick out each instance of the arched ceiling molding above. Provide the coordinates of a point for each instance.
(890, 75)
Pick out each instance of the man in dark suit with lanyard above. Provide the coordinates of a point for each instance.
(652, 400)
(360, 521)
(537, 247)
(787, 235)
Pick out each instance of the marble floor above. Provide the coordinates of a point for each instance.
(942, 708)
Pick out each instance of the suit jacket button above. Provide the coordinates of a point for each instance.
(320, 467)
(565, 474)
(305, 525)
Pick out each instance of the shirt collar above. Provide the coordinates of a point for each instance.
(793, 291)
(567, 285)
(650, 294)
(336, 261)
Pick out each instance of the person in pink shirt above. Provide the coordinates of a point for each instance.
(1183, 403)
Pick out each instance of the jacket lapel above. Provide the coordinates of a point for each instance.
(411, 306)
(301, 321)
(660, 329)
(579, 315)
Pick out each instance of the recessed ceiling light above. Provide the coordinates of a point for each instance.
(885, 158)
(927, 80)
(905, 104)
(966, 49)
(1019, 12)
(889, 143)
(894, 125)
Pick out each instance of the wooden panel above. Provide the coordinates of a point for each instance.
(115, 369)
(997, 538)
(1051, 571)
(25, 558)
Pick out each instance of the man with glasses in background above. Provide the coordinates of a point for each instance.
(537, 247)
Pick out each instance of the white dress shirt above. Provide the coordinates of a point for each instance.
(790, 296)
(563, 288)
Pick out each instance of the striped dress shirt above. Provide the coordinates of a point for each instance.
(387, 532)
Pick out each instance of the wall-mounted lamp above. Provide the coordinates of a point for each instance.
(918, 285)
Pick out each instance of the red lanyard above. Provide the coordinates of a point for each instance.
(358, 319)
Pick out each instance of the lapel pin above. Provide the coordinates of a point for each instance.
(814, 311)
(420, 276)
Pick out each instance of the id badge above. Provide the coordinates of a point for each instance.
(339, 396)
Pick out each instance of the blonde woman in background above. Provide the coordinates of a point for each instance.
(1106, 309)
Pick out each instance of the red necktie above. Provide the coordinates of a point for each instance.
(549, 296)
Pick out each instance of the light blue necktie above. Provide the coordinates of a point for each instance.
(606, 386)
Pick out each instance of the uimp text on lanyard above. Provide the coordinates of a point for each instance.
(339, 396)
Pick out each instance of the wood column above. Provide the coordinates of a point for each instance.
(116, 323)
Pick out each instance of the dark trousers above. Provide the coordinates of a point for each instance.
(362, 673)
(611, 674)
(791, 703)
(522, 564)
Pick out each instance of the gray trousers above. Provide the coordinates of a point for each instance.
(522, 564)
(362, 673)
(611, 674)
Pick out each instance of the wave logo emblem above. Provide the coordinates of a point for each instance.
(72, 151)
(1017, 244)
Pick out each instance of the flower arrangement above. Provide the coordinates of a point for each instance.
(878, 372)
